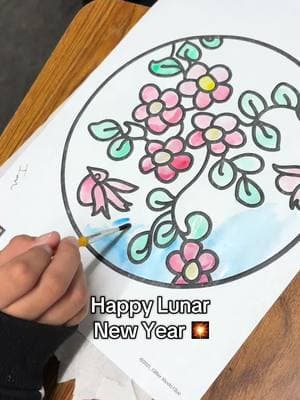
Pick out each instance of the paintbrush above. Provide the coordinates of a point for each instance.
(84, 241)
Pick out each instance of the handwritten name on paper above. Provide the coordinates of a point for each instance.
(22, 171)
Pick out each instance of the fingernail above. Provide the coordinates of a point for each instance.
(44, 237)
(72, 240)
(48, 249)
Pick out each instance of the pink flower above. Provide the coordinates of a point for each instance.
(288, 182)
(98, 191)
(206, 85)
(218, 133)
(166, 159)
(192, 264)
(159, 110)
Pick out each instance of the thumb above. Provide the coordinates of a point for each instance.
(22, 243)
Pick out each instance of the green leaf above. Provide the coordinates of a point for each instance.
(266, 136)
(285, 95)
(104, 130)
(164, 234)
(134, 130)
(189, 51)
(252, 104)
(248, 192)
(139, 247)
(159, 199)
(249, 163)
(119, 149)
(166, 67)
(222, 175)
(198, 225)
(211, 42)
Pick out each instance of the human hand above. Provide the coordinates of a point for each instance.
(42, 279)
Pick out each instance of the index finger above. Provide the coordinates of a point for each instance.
(21, 274)
(22, 243)
(52, 285)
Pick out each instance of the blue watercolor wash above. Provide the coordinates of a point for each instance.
(240, 242)
(153, 268)
(121, 221)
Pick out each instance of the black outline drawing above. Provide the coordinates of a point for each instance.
(289, 105)
(121, 142)
(280, 170)
(172, 232)
(161, 65)
(107, 184)
(220, 165)
(251, 270)
(184, 50)
(252, 155)
(178, 275)
(150, 240)
(214, 118)
(213, 100)
(189, 231)
(117, 127)
(160, 114)
(262, 125)
(2, 230)
(167, 163)
(243, 178)
(258, 114)
(206, 39)
(164, 204)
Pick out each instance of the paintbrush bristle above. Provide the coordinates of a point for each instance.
(124, 227)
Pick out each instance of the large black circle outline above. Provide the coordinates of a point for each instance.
(273, 258)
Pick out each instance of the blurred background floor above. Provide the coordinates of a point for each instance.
(30, 29)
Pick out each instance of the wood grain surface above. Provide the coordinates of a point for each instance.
(267, 367)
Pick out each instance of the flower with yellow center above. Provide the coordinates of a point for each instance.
(162, 157)
(207, 83)
(156, 107)
(213, 134)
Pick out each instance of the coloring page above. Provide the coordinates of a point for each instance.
(203, 149)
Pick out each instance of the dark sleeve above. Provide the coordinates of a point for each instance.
(25, 347)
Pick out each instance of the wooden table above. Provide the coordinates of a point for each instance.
(267, 367)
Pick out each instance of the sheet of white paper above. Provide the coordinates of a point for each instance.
(96, 376)
(249, 224)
